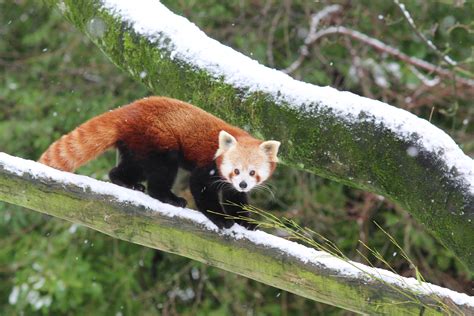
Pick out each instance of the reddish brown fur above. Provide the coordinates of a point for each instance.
(149, 124)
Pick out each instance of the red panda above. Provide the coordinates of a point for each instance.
(157, 135)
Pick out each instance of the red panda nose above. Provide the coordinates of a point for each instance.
(243, 184)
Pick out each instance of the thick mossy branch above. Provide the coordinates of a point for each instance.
(127, 215)
(362, 152)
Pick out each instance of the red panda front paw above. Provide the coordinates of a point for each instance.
(176, 201)
(138, 187)
(180, 202)
(228, 223)
(168, 198)
(248, 225)
(220, 222)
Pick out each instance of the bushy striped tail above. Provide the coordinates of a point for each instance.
(83, 144)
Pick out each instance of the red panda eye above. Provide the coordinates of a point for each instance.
(252, 173)
(237, 171)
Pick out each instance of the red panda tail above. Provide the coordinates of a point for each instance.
(83, 144)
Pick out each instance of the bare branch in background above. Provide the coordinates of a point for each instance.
(359, 70)
(315, 20)
(429, 43)
(378, 45)
(318, 17)
(271, 36)
(424, 79)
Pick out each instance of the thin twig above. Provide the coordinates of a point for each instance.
(431, 114)
(429, 43)
(359, 69)
(424, 79)
(315, 20)
(271, 37)
(318, 17)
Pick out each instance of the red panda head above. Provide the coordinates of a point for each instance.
(247, 162)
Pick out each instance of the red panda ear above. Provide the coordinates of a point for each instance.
(270, 147)
(226, 141)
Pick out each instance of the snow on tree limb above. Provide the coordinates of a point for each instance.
(339, 135)
(138, 218)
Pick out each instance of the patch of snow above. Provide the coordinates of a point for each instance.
(14, 294)
(73, 228)
(406, 13)
(96, 27)
(305, 254)
(394, 69)
(190, 45)
(185, 295)
(412, 151)
(195, 274)
(12, 85)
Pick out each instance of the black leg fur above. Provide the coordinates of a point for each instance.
(161, 170)
(206, 195)
(128, 173)
(232, 201)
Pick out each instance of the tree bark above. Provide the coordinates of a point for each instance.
(130, 216)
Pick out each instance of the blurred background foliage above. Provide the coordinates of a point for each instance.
(52, 78)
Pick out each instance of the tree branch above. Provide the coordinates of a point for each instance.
(309, 40)
(378, 45)
(137, 218)
(422, 36)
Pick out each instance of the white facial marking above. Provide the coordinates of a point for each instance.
(264, 172)
(243, 181)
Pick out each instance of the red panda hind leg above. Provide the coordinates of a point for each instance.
(161, 169)
(129, 172)
(158, 169)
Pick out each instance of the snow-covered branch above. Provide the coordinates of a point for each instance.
(339, 135)
(138, 218)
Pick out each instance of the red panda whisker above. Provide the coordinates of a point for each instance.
(220, 184)
(265, 188)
